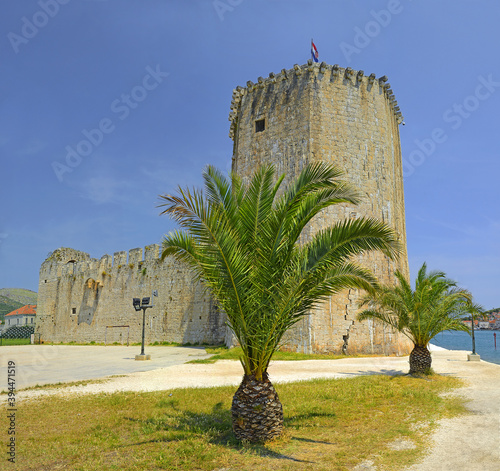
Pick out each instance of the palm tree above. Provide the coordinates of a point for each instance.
(474, 310)
(241, 240)
(436, 305)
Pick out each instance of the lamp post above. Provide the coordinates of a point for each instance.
(473, 338)
(138, 305)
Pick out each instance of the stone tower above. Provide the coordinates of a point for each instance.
(319, 112)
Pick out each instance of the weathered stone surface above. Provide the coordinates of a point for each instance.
(325, 113)
(79, 296)
(311, 112)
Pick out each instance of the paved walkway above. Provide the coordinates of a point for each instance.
(467, 443)
(49, 364)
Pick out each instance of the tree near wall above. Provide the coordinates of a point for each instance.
(242, 241)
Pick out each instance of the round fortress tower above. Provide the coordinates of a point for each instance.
(319, 112)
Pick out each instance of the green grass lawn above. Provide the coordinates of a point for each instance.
(330, 425)
(15, 342)
(223, 353)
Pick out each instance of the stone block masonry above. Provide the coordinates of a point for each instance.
(318, 112)
(79, 296)
(313, 112)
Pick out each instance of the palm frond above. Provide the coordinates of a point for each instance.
(435, 305)
(242, 241)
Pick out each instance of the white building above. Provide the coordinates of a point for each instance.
(25, 315)
(484, 324)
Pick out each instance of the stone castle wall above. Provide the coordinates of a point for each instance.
(319, 112)
(310, 113)
(79, 296)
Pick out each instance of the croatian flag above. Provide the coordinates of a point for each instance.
(314, 52)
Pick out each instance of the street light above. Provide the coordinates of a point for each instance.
(138, 305)
(473, 338)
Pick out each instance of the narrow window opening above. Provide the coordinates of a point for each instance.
(260, 125)
(73, 310)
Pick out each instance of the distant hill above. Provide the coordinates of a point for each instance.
(24, 296)
(13, 298)
(492, 310)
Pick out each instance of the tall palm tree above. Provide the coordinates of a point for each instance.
(435, 305)
(242, 241)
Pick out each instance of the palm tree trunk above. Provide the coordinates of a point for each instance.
(420, 360)
(256, 410)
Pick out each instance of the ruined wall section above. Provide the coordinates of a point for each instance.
(79, 296)
(319, 112)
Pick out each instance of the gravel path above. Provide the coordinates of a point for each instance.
(470, 442)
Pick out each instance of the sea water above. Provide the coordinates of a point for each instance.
(485, 343)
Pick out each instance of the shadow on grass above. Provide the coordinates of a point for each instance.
(303, 419)
(308, 440)
(214, 427)
(384, 372)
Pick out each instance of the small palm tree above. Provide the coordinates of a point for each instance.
(474, 310)
(241, 240)
(434, 306)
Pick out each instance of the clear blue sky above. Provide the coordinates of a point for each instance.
(157, 76)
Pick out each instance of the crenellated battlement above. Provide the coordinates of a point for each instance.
(70, 262)
(151, 252)
(310, 71)
(80, 297)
